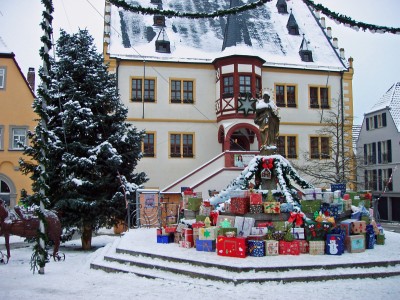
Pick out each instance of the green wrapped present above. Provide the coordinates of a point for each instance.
(357, 201)
(194, 203)
(316, 231)
(310, 206)
(365, 218)
(380, 239)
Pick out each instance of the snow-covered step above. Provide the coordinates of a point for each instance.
(151, 265)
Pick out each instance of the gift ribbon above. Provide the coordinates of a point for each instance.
(297, 218)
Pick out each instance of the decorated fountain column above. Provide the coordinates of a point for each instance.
(267, 119)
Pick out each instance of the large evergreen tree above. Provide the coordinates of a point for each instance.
(90, 151)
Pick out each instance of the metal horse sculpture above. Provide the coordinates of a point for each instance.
(27, 225)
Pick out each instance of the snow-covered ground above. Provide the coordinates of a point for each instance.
(73, 278)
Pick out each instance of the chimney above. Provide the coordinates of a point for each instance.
(342, 53)
(31, 78)
(322, 21)
(335, 43)
(329, 32)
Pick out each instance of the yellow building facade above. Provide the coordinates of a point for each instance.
(16, 119)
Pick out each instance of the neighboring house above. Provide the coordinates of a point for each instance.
(190, 84)
(16, 118)
(379, 142)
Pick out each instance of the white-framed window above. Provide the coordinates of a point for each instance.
(2, 78)
(18, 137)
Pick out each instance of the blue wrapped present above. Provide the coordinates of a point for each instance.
(256, 248)
(370, 240)
(356, 215)
(205, 245)
(165, 239)
(334, 244)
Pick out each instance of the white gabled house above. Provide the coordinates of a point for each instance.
(378, 143)
(191, 84)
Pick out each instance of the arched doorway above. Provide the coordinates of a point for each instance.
(242, 137)
(7, 190)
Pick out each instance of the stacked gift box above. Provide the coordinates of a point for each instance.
(239, 234)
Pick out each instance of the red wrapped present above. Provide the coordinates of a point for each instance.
(240, 206)
(255, 199)
(289, 248)
(188, 191)
(264, 224)
(304, 246)
(207, 203)
(188, 235)
(198, 225)
(170, 228)
(231, 246)
(214, 217)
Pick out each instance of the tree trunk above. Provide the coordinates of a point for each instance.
(86, 237)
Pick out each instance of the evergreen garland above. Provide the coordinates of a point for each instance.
(40, 256)
(342, 19)
(171, 13)
(339, 18)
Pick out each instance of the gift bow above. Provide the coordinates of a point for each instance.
(296, 217)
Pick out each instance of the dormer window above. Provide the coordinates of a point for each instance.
(305, 53)
(159, 21)
(292, 26)
(162, 43)
(282, 6)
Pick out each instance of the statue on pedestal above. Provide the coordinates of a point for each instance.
(267, 119)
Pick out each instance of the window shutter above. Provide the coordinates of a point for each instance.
(375, 122)
(374, 180)
(380, 186)
(384, 119)
(365, 154)
(367, 123)
(379, 153)
(365, 179)
(374, 153)
(389, 150)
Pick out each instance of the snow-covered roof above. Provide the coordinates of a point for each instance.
(3, 47)
(263, 33)
(390, 100)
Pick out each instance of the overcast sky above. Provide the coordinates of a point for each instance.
(376, 56)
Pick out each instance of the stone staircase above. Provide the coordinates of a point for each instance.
(151, 265)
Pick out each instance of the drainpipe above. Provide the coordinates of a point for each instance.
(116, 72)
(342, 105)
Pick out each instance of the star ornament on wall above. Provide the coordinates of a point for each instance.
(247, 105)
